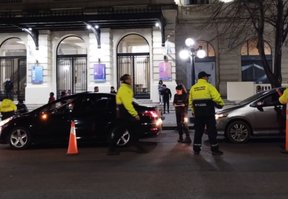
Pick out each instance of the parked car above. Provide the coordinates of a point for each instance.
(260, 114)
(94, 115)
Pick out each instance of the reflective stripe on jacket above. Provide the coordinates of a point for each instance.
(204, 90)
(124, 97)
(7, 105)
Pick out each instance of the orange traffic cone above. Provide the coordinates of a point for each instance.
(72, 148)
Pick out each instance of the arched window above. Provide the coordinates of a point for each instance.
(207, 64)
(251, 62)
(13, 66)
(71, 65)
(133, 58)
(72, 45)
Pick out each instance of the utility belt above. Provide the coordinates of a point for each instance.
(203, 107)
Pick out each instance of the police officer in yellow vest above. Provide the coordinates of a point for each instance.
(203, 98)
(283, 99)
(127, 116)
(7, 108)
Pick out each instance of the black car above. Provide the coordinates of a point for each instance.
(94, 115)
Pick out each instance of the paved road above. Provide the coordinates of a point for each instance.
(255, 170)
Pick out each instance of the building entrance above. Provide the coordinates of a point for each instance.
(133, 58)
(137, 65)
(14, 68)
(71, 74)
(71, 66)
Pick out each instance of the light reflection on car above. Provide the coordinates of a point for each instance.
(94, 115)
(260, 114)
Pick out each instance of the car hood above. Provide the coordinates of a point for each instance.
(229, 108)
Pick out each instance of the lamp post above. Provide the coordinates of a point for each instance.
(192, 51)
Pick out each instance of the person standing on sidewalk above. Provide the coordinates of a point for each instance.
(203, 98)
(160, 89)
(166, 93)
(127, 116)
(180, 103)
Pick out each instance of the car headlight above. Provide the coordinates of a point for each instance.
(3, 122)
(220, 115)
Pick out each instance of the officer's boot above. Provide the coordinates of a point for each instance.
(215, 150)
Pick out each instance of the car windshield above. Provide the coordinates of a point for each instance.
(252, 98)
(57, 105)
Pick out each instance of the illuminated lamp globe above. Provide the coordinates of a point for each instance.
(189, 42)
(184, 54)
(201, 53)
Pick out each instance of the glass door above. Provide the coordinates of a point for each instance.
(138, 66)
(71, 74)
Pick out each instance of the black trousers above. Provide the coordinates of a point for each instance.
(200, 123)
(166, 105)
(181, 125)
(132, 125)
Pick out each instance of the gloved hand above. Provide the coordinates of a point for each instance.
(218, 106)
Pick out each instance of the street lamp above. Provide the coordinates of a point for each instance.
(192, 51)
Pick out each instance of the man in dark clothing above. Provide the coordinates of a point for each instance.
(181, 107)
(166, 93)
(21, 107)
(8, 86)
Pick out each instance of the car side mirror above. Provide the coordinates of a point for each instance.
(258, 105)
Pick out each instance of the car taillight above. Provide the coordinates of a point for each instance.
(151, 114)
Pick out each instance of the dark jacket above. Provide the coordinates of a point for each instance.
(180, 102)
(21, 108)
(166, 94)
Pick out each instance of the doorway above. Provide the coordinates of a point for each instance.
(133, 58)
(71, 74)
(13, 66)
(71, 66)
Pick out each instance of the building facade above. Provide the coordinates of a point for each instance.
(227, 61)
(72, 46)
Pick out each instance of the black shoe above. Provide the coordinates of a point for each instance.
(217, 152)
(196, 152)
(113, 152)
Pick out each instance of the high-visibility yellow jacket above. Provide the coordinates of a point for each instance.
(204, 90)
(7, 105)
(283, 99)
(124, 97)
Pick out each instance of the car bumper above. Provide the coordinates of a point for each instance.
(152, 128)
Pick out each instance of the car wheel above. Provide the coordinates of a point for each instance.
(124, 139)
(238, 131)
(19, 138)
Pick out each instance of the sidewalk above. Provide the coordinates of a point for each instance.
(169, 121)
